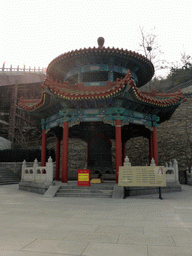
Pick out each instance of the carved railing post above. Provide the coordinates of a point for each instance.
(175, 165)
(49, 170)
(152, 162)
(23, 170)
(35, 165)
(126, 161)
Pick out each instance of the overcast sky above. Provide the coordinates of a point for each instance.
(34, 32)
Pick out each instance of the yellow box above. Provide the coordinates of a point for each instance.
(83, 177)
(95, 181)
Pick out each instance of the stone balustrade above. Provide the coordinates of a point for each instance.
(38, 174)
(171, 170)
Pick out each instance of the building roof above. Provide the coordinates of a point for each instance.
(97, 78)
(129, 59)
(74, 96)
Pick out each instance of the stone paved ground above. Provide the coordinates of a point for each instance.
(31, 225)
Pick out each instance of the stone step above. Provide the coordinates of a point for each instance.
(92, 187)
(8, 173)
(9, 177)
(84, 195)
(74, 191)
(8, 182)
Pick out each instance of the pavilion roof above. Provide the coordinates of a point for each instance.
(67, 61)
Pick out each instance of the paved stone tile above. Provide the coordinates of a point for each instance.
(145, 223)
(56, 246)
(184, 240)
(185, 217)
(48, 234)
(32, 224)
(166, 231)
(119, 230)
(102, 249)
(114, 222)
(124, 216)
(169, 251)
(73, 227)
(170, 215)
(22, 253)
(89, 215)
(93, 237)
(10, 232)
(163, 218)
(179, 224)
(14, 243)
(146, 240)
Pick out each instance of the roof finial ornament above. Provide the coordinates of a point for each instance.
(100, 42)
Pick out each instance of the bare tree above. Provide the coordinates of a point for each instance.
(151, 49)
(186, 60)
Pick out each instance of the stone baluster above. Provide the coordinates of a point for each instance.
(152, 162)
(23, 170)
(127, 162)
(49, 170)
(176, 169)
(35, 166)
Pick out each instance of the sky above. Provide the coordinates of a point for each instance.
(34, 32)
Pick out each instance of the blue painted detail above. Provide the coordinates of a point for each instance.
(91, 111)
(119, 110)
(95, 83)
(91, 119)
(52, 124)
(155, 118)
(102, 67)
(124, 70)
(71, 73)
(139, 115)
(42, 121)
(99, 114)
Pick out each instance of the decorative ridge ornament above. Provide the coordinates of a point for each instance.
(100, 42)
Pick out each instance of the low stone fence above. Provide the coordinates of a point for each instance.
(36, 173)
(172, 171)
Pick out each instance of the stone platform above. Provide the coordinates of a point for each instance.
(107, 189)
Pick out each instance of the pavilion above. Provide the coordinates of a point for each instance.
(93, 94)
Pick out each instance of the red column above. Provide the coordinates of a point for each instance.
(118, 147)
(123, 152)
(88, 146)
(43, 148)
(58, 142)
(155, 148)
(65, 152)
